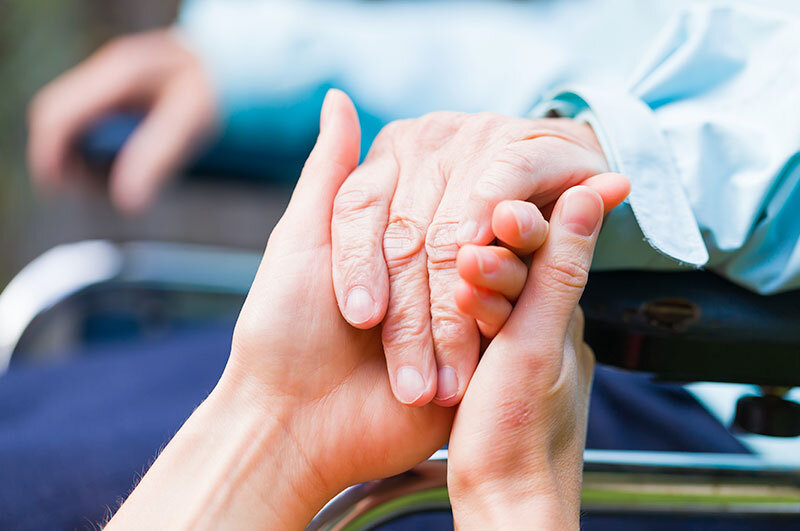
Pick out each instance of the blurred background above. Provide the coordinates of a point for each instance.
(184, 264)
(40, 39)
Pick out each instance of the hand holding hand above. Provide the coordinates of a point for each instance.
(427, 187)
(304, 408)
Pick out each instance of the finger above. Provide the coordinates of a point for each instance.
(179, 122)
(537, 170)
(307, 219)
(613, 188)
(360, 216)
(490, 309)
(456, 338)
(520, 225)
(493, 268)
(409, 333)
(539, 323)
(60, 112)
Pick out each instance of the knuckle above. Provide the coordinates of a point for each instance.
(435, 129)
(440, 244)
(355, 203)
(485, 124)
(38, 108)
(121, 47)
(403, 240)
(448, 328)
(564, 273)
(512, 161)
(489, 188)
(385, 140)
(47, 113)
(390, 131)
(508, 166)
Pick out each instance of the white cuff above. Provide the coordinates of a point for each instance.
(636, 147)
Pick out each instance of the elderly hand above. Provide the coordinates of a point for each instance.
(152, 71)
(426, 187)
(516, 448)
(304, 408)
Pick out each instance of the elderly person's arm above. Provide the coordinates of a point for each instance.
(707, 135)
(257, 71)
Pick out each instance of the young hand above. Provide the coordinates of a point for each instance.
(304, 407)
(492, 276)
(516, 448)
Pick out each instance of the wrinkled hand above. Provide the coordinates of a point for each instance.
(427, 186)
(516, 448)
(303, 408)
(303, 361)
(151, 71)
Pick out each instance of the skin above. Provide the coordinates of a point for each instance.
(516, 448)
(427, 187)
(304, 395)
(152, 72)
(492, 277)
(396, 223)
(304, 408)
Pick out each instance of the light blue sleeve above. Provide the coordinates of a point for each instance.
(709, 133)
(273, 61)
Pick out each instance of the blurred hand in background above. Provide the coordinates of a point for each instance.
(150, 71)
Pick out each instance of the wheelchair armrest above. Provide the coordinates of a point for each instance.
(86, 291)
(645, 487)
(693, 326)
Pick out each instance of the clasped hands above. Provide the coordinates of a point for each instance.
(304, 407)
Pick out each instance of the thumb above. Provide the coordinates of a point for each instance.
(334, 157)
(558, 275)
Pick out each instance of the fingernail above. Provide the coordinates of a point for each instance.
(448, 384)
(467, 231)
(581, 212)
(326, 109)
(410, 384)
(523, 217)
(488, 262)
(360, 306)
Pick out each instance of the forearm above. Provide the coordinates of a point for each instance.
(232, 465)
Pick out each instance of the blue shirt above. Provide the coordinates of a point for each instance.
(698, 104)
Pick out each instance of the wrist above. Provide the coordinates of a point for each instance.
(234, 463)
(268, 463)
(511, 503)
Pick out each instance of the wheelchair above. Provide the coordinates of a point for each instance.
(737, 351)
